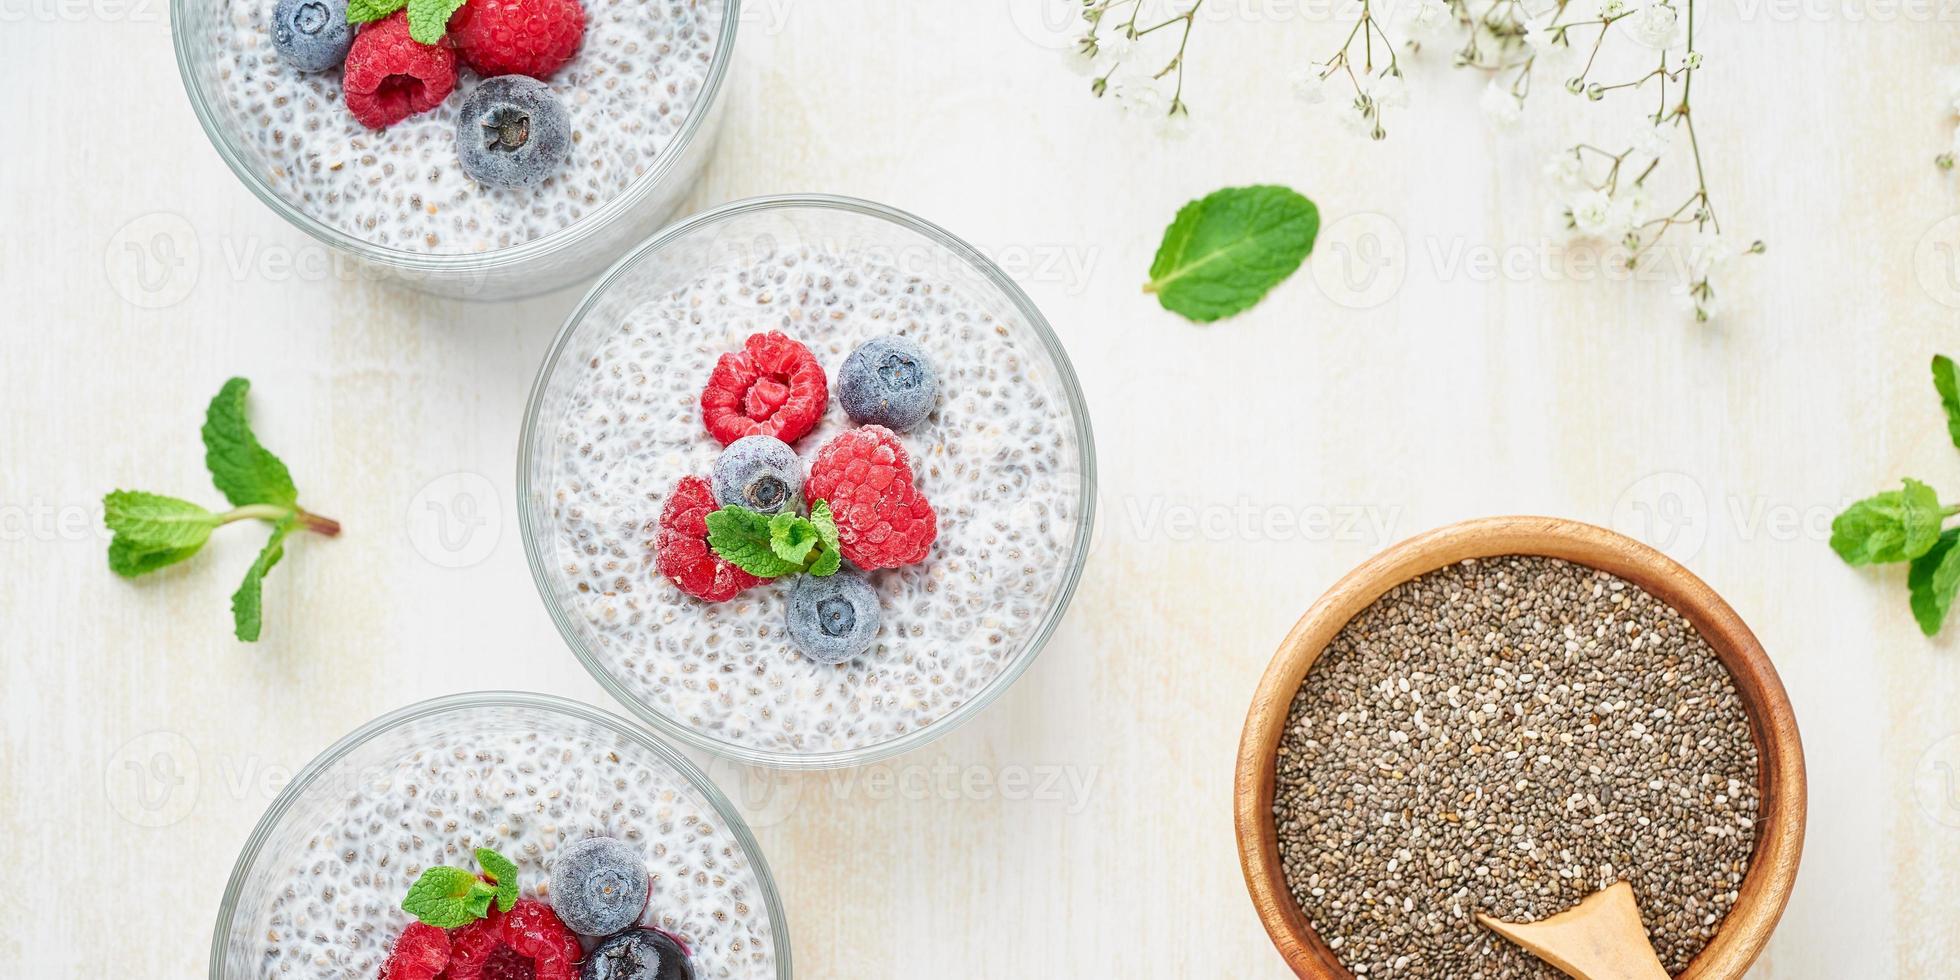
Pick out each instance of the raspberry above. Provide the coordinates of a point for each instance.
(882, 519)
(681, 551)
(526, 943)
(390, 76)
(421, 953)
(773, 387)
(517, 37)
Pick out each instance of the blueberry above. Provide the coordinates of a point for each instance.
(888, 381)
(512, 132)
(598, 886)
(312, 35)
(761, 473)
(643, 954)
(835, 617)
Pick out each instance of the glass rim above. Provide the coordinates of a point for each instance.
(731, 818)
(1086, 493)
(454, 262)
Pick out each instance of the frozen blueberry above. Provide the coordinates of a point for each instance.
(888, 381)
(598, 886)
(761, 473)
(312, 35)
(834, 617)
(512, 132)
(643, 954)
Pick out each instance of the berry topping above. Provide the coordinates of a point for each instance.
(882, 520)
(526, 943)
(312, 35)
(888, 381)
(761, 473)
(517, 37)
(391, 76)
(421, 953)
(773, 387)
(835, 618)
(643, 954)
(512, 132)
(598, 886)
(681, 550)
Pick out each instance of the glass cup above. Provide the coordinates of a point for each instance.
(740, 233)
(565, 256)
(383, 759)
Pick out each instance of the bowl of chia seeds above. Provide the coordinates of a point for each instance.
(1502, 717)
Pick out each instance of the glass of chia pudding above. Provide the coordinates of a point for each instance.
(954, 469)
(490, 164)
(566, 794)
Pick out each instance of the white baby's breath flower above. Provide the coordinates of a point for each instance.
(1116, 45)
(1539, 35)
(1609, 9)
(1592, 214)
(1309, 87)
(1654, 141)
(1141, 95)
(1500, 104)
(1084, 56)
(1426, 18)
(1388, 91)
(1175, 124)
(1656, 24)
(1563, 168)
(1708, 253)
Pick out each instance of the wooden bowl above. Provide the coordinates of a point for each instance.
(1779, 828)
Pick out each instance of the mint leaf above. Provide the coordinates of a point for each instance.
(1948, 385)
(428, 20)
(448, 898)
(830, 558)
(1933, 581)
(742, 536)
(363, 11)
(792, 538)
(1897, 525)
(245, 609)
(1224, 251)
(152, 531)
(242, 469)
(503, 871)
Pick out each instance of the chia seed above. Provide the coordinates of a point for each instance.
(1507, 736)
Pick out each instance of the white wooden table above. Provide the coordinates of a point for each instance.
(1465, 392)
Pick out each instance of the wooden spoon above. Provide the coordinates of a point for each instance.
(1601, 938)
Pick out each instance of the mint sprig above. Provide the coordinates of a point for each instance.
(1908, 525)
(1226, 250)
(152, 531)
(448, 898)
(428, 20)
(774, 546)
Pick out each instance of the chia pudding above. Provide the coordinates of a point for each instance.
(635, 80)
(999, 457)
(326, 895)
(1507, 736)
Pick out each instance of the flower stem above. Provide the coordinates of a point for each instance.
(273, 512)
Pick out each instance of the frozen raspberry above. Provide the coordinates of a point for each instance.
(681, 551)
(882, 519)
(526, 943)
(390, 76)
(517, 37)
(421, 953)
(773, 387)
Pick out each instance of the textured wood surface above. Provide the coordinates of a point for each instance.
(1082, 826)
